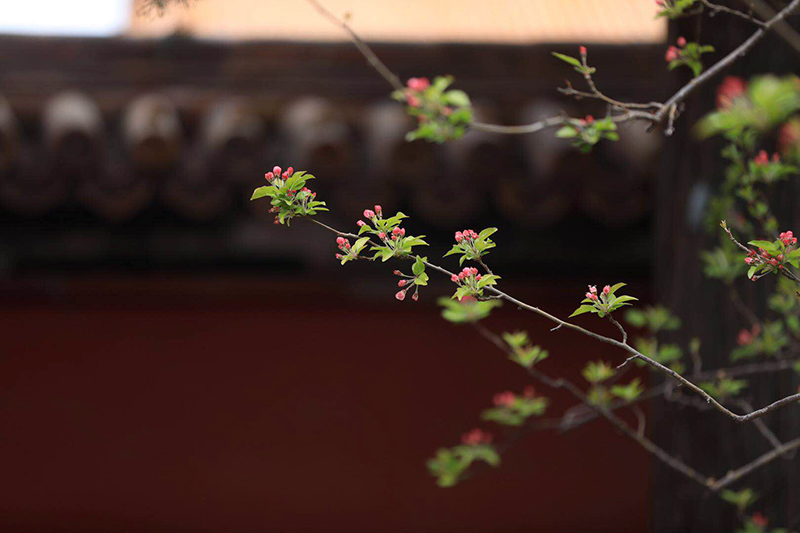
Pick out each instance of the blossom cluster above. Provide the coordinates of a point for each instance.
(772, 256)
(471, 245)
(418, 279)
(393, 241)
(476, 437)
(441, 114)
(471, 283)
(588, 131)
(289, 196)
(604, 302)
(687, 54)
(731, 88)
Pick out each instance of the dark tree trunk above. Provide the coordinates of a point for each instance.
(706, 440)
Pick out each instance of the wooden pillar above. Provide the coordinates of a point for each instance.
(706, 440)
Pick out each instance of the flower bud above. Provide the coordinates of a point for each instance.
(606, 289)
(368, 213)
(401, 295)
(401, 283)
(276, 170)
(681, 41)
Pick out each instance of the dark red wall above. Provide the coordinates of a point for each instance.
(150, 407)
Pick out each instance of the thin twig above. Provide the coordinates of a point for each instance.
(619, 327)
(735, 475)
(628, 348)
(365, 50)
(716, 8)
(722, 64)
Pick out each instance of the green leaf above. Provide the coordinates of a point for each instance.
(418, 267)
(584, 309)
(566, 132)
(261, 192)
(567, 59)
(457, 98)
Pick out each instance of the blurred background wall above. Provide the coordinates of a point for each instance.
(173, 361)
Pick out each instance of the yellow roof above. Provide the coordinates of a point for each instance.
(487, 21)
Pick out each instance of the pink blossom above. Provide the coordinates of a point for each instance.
(415, 296)
(731, 88)
(401, 295)
(681, 41)
(504, 399)
(418, 84)
(382, 236)
(401, 283)
(760, 520)
(360, 223)
(672, 54)
(582, 50)
(459, 236)
(269, 176)
(276, 170)
(378, 209)
(340, 241)
(606, 289)
(476, 437)
(454, 278)
(788, 238)
(762, 158)
(368, 213)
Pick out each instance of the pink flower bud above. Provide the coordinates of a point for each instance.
(681, 41)
(760, 520)
(340, 240)
(415, 296)
(269, 176)
(378, 209)
(762, 158)
(459, 236)
(504, 399)
(368, 213)
(401, 283)
(582, 50)
(454, 278)
(413, 101)
(593, 289)
(276, 170)
(289, 171)
(397, 273)
(729, 90)
(606, 289)
(360, 223)
(382, 235)
(672, 54)
(418, 84)
(401, 295)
